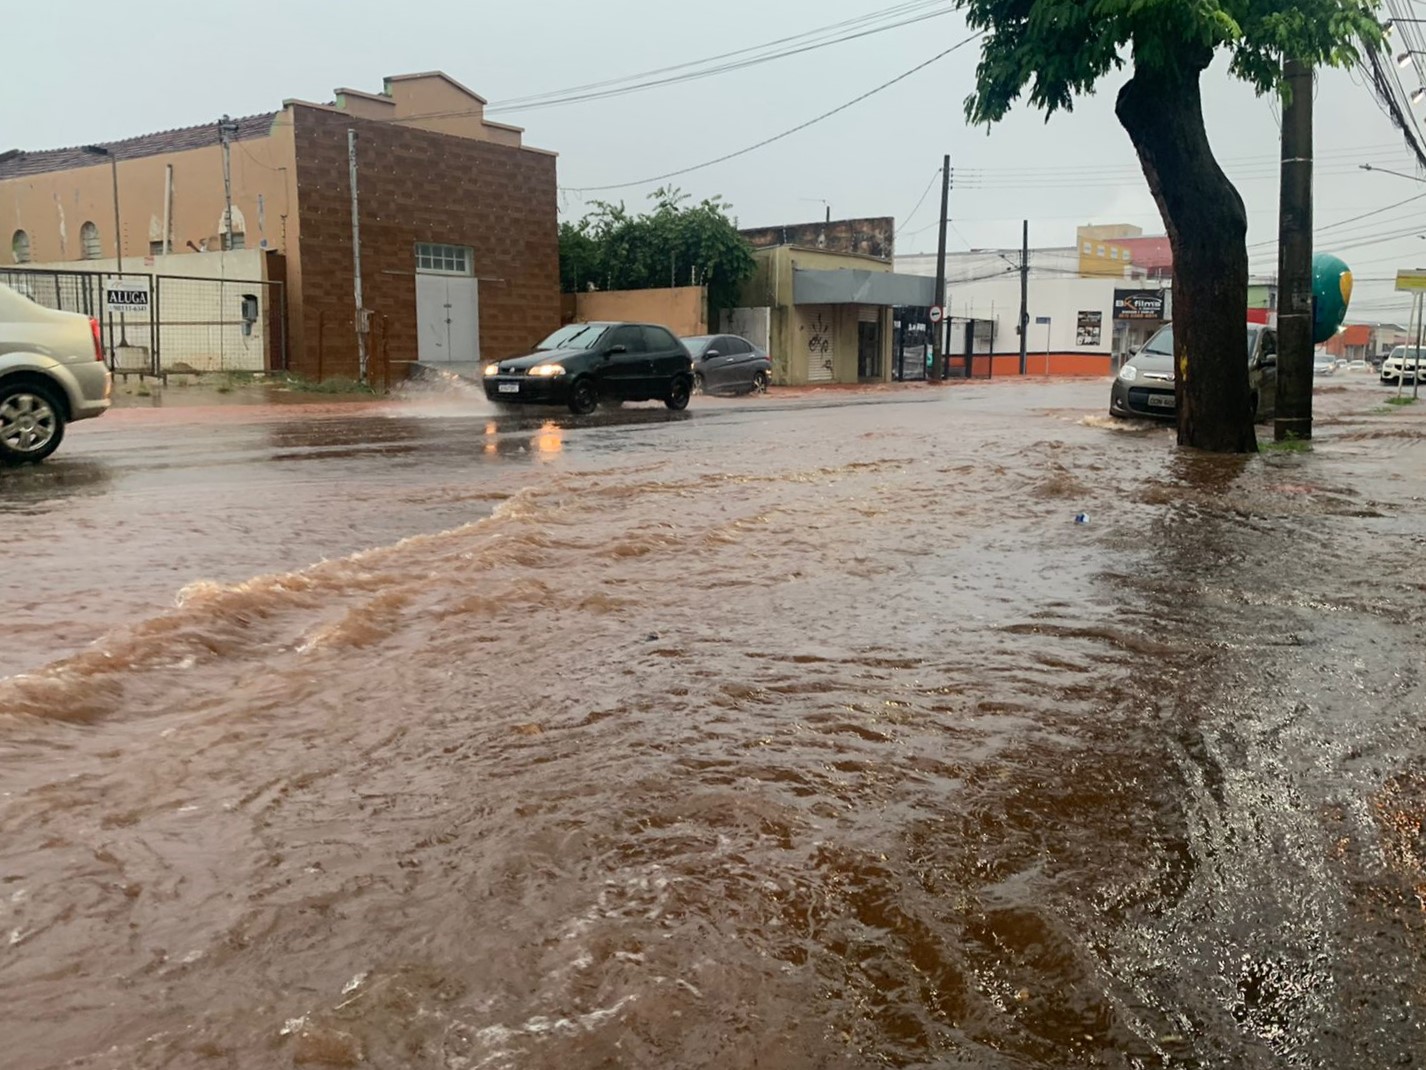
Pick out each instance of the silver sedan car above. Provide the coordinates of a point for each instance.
(52, 371)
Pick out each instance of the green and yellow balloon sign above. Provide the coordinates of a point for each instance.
(1331, 294)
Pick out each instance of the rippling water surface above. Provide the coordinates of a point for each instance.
(801, 736)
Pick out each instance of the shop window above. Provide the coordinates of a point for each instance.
(89, 241)
(20, 247)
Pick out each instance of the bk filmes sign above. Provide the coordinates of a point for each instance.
(127, 295)
(1138, 304)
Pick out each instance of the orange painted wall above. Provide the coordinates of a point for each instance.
(1067, 365)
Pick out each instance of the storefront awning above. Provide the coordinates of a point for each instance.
(848, 286)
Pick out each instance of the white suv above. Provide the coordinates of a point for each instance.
(1402, 365)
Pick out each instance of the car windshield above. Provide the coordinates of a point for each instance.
(1161, 344)
(698, 344)
(1402, 353)
(575, 336)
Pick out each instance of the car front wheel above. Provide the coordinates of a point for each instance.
(678, 394)
(31, 426)
(583, 397)
(698, 384)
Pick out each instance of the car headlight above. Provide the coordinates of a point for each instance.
(492, 369)
(1128, 373)
(547, 370)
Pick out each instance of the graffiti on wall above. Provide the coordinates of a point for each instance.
(819, 344)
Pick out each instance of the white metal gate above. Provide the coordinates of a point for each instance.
(447, 318)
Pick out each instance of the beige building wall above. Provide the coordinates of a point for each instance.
(682, 310)
(52, 208)
(437, 102)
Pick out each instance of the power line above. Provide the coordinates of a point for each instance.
(786, 133)
(697, 69)
(912, 214)
(1344, 222)
(1255, 161)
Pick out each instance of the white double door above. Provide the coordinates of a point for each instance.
(447, 318)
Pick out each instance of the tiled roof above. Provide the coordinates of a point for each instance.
(16, 163)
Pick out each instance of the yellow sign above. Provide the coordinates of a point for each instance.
(1413, 281)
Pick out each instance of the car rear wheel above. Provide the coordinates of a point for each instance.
(678, 394)
(31, 426)
(760, 383)
(583, 397)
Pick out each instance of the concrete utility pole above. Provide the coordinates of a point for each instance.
(360, 317)
(1416, 357)
(1024, 296)
(938, 347)
(1294, 317)
(226, 129)
(100, 150)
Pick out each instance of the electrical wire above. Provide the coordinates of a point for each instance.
(786, 133)
(1342, 223)
(1256, 161)
(912, 214)
(797, 45)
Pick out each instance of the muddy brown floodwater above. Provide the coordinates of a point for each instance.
(779, 736)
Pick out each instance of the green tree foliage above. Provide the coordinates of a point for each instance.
(676, 244)
(1060, 48)
(1050, 51)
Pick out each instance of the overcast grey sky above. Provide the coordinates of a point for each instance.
(87, 70)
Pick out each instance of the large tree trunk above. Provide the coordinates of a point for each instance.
(1207, 227)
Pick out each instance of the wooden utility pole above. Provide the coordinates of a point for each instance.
(938, 364)
(1293, 418)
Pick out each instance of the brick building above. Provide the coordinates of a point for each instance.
(459, 250)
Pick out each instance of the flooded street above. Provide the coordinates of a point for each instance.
(780, 734)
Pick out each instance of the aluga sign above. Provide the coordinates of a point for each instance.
(127, 295)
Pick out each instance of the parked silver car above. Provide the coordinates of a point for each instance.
(1145, 385)
(51, 372)
(727, 363)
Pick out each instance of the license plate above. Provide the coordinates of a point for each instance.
(1161, 401)
(508, 388)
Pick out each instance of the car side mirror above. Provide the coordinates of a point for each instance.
(710, 353)
(616, 349)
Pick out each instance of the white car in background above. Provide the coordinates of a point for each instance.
(1401, 366)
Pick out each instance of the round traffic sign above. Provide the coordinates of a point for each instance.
(937, 313)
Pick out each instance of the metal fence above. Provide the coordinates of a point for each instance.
(969, 344)
(192, 324)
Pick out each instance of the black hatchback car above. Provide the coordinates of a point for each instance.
(584, 364)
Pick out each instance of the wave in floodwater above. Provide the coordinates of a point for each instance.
(862, 753)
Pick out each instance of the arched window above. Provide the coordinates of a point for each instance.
(20, 247)
(89, 241)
